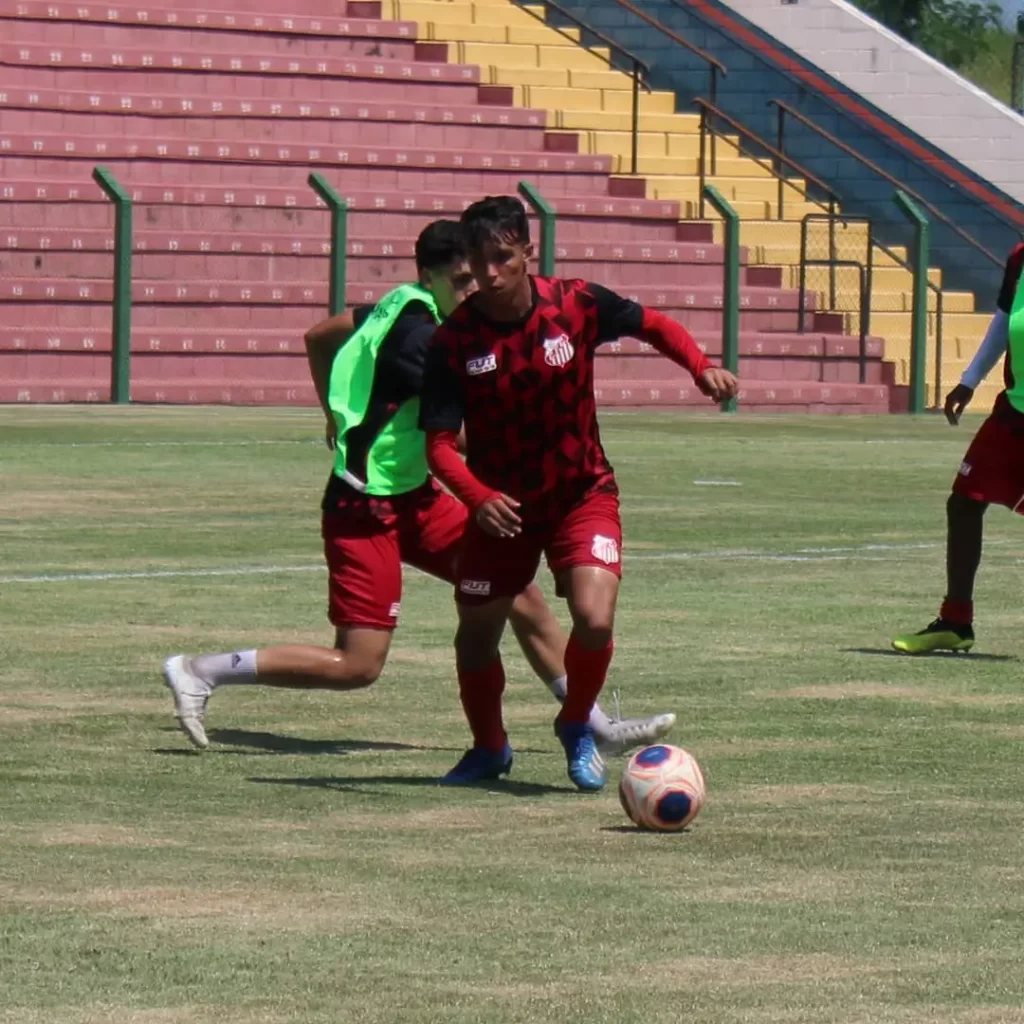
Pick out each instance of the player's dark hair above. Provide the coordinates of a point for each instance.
(496, 219)
(440, 245)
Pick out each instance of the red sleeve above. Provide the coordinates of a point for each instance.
(1011, 276)
(447, 465)
(673, 340)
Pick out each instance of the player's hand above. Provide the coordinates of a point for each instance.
(331, 434)
(718, 384)
(497, 516)
(956, 401)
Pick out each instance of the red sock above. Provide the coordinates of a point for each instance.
(480, 693)
(960, 613)
(585, 671)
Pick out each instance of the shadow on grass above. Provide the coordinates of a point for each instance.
(354, 783)
(635, 830)
(888, 652)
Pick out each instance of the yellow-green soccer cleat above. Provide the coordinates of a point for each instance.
(939, 635)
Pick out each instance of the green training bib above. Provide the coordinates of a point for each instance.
(397, 459)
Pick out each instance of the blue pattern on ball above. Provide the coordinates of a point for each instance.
(673, 807)
(650, 756)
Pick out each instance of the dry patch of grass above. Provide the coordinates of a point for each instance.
(919, 694)
(256, 908)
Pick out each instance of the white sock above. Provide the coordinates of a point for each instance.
(219, 669)
(599, 721)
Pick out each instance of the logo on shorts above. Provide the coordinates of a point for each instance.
(965, 469)
(485, 364)
(605, 549)
(475, 588)
(395, 608)
(558, 351)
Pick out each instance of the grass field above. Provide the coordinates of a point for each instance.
(860, 858)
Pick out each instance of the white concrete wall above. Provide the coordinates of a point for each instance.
(936, 103)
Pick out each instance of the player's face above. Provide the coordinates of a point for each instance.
(500, 267)
(450, 285)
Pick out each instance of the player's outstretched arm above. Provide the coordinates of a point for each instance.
(618, 317)
(673, 340)
(992, 349)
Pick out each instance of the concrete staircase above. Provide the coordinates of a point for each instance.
(213, 120)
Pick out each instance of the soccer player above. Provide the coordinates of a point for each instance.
(381, 508)
(992, 471)
(514, 367)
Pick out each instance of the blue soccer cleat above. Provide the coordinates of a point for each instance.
(478, 764)
(586, 766)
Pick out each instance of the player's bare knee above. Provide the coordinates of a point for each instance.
(593, 635)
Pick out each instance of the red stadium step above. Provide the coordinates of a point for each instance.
(551, 169)
(767, 396)
(239, 106)
(50, 204)
(289, 132)
(774, 396)
(158, 58)
(250, 293)
(398, 247)
(178, 15)
(293, 267)
(64, 25)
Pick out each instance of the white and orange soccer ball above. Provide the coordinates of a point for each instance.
(662, 788)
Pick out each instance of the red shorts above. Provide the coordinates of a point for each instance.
(365, 553)
(492, 567)
(993, 468)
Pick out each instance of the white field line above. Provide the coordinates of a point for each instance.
(861, 552)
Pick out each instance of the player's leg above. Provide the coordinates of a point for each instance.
(365, 588)
(491, 572)
(355, 661)
(431, 541)
(543, 642)
(992, 472)
(585, 558)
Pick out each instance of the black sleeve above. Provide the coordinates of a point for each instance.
(616, 317)
(360, 314)
(1011, 277)
(408, 356)
(442, 402)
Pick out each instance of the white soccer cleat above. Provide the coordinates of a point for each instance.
(190, 696)
(627, 733)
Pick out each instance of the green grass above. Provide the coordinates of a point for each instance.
(860, 858)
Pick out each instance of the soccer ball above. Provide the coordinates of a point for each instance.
(662, 788)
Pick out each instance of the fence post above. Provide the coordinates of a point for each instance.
(339, 241)
(121, 334)
(731, 287)
(542, 208)
(919, 316)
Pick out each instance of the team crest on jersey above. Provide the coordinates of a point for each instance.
(558, 351)
(394, 610)
(485, 364)
(605, 549)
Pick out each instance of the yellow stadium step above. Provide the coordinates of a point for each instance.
(606, 79)
(508, 15)
(601, 120)
(509, 56)
(621, 101)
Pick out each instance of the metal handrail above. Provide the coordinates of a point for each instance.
(715, 66)
(641, 69)
(785, 108)
(779, 159)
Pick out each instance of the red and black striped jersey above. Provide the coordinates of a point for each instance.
(525, 392)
